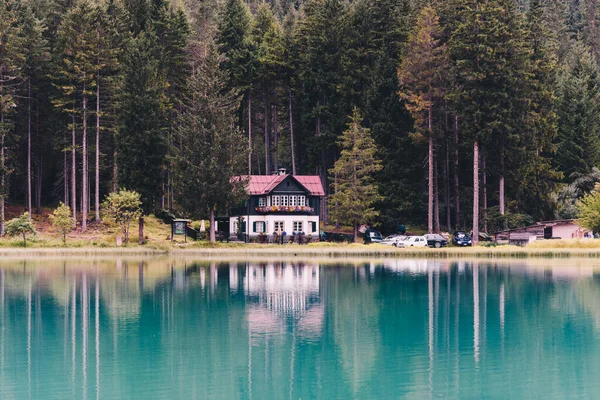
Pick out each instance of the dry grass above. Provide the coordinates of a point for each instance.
(565, 244)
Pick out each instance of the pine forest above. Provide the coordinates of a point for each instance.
(464, 114)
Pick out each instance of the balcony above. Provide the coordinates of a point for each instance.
(285, 210)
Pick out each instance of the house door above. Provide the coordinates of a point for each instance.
(548, 232)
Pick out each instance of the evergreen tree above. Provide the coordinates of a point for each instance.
(487, 50)
(421, 76)
(578, 102)
(35, 68)
(12, 59)
(213, 149)
(235, 41)
(142, 140)
(75, 71)
(535, 176)
(357, 191)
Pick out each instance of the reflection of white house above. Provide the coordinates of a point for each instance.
(283, 291)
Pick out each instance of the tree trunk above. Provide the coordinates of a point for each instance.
(38, 186)
(97, 167)
(3, 177)
(430, 176)
(501, 194)
(456, 185)
(141, 231)
(84, 173)
(292, 132)
(39, 161)
(447, 187)
(249, 133)
(484, 177)
(115, 179)
(275, 146)
(475, 237)
(65, 171)
(336, 205)
(2, 161)
(212, 230)
(436, 197)
(29, 209)
(355, 231)
(267, 144)
(73, 171)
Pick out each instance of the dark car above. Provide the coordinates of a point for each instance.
(461, 239)
(436, 240)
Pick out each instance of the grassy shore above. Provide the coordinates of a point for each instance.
(204, 249)
(100, 241)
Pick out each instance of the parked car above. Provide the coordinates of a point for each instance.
(393, 240)
(461, 239)
(374, 236)
(436, 240)
(413, 241)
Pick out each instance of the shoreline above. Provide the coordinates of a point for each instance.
(373, 251)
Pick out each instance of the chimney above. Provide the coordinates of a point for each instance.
(282, 171)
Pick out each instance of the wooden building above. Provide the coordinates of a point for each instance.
(559, 229)
(279, 203)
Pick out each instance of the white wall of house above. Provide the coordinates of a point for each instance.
(289, 223)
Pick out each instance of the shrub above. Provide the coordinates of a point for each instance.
(122, 208)
(61, 219)
(589, 210)
(20, 226)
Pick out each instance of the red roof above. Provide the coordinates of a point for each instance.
(264, 184)
(312, 183)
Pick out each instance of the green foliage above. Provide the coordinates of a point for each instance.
(356, 190)
(122, 208)
(497, 222)
(588, 208)
(569, 194)
(62, 220)
(236, 44)
(578, 108)
(21, 226)
(212, 149)
(142, 143)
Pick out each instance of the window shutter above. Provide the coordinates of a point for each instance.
(254, 226)
(313, 226)
(243, 226)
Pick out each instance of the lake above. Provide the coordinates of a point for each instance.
(165, 328)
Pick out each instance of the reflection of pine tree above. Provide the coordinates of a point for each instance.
(356, 328)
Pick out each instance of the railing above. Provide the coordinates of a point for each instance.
(285, 209)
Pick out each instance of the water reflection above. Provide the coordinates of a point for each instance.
(392, 328)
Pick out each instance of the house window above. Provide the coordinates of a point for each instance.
(262, 201)
(285, 201)
(276, 200)
(259, 227)
(278, 226)
(313, 226)
(301, 200)
(298, 225)
(293, 200)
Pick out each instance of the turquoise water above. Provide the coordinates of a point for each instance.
(176, 329)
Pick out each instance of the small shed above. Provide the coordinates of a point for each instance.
(557, 229)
